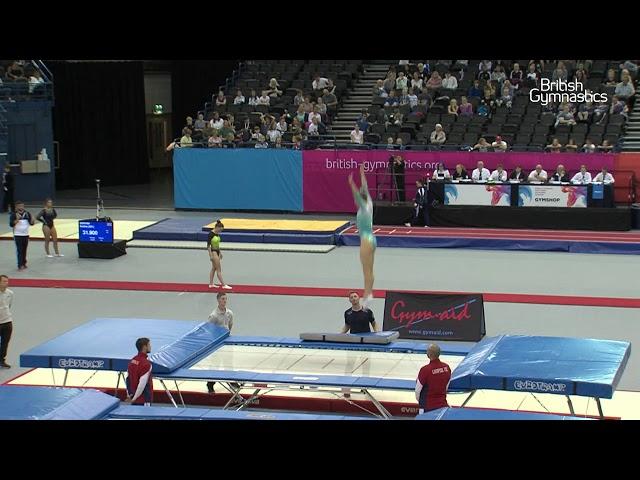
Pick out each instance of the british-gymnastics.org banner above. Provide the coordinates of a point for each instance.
(552, 196)
(494, 195)
(325, 172)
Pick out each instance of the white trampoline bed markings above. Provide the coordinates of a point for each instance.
(312, 361)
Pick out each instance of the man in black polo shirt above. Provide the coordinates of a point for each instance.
(358, 319)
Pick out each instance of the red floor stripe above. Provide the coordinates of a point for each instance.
(314, 291)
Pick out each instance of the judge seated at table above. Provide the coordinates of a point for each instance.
(538, 175)
(499, 174)
(560, 175)
(480, 173)
(441, 173)
(582, 177)
(517, 174)
(460, 173)
(604, 177)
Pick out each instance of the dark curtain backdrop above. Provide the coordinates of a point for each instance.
(99, 120)
(192, 84)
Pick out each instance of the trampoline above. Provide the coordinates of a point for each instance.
(488, 414)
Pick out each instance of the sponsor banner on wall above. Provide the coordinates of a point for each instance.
(552, 196)
(497, 195)
(426, 316)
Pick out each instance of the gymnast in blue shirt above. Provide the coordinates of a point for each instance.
(364, 221)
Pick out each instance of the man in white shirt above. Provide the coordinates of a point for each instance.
(319, 83)
(604, 176)
(582, 177)
(222, 317)
(499, 145)
(264, 99)
(438, 136)
(538, 175)
(480, 174)
(216, 122)
(357, 136)
(499, 174)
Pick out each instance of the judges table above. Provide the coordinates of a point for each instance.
(513, 205)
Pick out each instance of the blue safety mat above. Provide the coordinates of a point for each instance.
(134, 412)
(497, 244)
(109, 344)
(558, 365)
(51, 403)
(487, 414)
(281, 231)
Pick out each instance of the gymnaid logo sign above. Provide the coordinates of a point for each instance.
(558, 91)
(428, 316)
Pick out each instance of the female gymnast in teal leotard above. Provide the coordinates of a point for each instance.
(364, 221)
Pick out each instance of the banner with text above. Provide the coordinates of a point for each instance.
(477, 194)
(325, 172)
(552, 196)
(426, 316)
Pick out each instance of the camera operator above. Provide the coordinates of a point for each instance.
(396, 166)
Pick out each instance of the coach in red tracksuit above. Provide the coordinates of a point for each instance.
(139, 380)
(433, 381)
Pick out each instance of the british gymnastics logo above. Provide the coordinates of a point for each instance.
(562, 91)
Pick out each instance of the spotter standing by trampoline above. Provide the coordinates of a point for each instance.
(213, 246)
(364, 221)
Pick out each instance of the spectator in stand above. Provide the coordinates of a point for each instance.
(604, 177)
(482, 145)
(605, 147)
(624, 89)
(484, 75)
(401, 82)
(453, 107)
(630, 65)
(580, 74)
(585, 112)
(390, 144)
(533, 76)
(221, 100)
(475, 90)
(413, 99)
(506, 99)
(301, 115)
(582, 177)
(480, 173)
(571, 147)
(416, 81)
(264, 99)
(450, 82)
(253, 98)
(189, 124)
(307, 104)
(555, 146)
(610, 80)
(227, 132)
(559, 73)
(391, 100)
(404, 98)
(15, 72)
(35, 80)
(538, 65)
(434, 83)
(273, 133)
(282, 125)
(565, 117)
(618, 107)
(396, 118)
(357, 136)
(274, 88)
(438, 137)
(239, 98)
(516, 76)
(363, 122)
(322, 108)
(200, 124)
(460, 173)
(390, 81)
(331, 101)
(589, 146)
(379, 90)
(256, 133)
(399, 144)
(186, 141)
(484, 64)
(424, 69)
(599, 113)
(484, 109)
(498, 76)
(538, 175)
(215, 140)
(298, 99)
(499, 145)
(296, 126)
(262, 142)
(465, 109)
(319, 83)
(517, 175)
(560, 175)
(499, 174)
(312, 129)
(314, 114)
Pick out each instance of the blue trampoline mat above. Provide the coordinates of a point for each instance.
(52, 403)
(487, 414)
(557, 365)
(109, 344)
